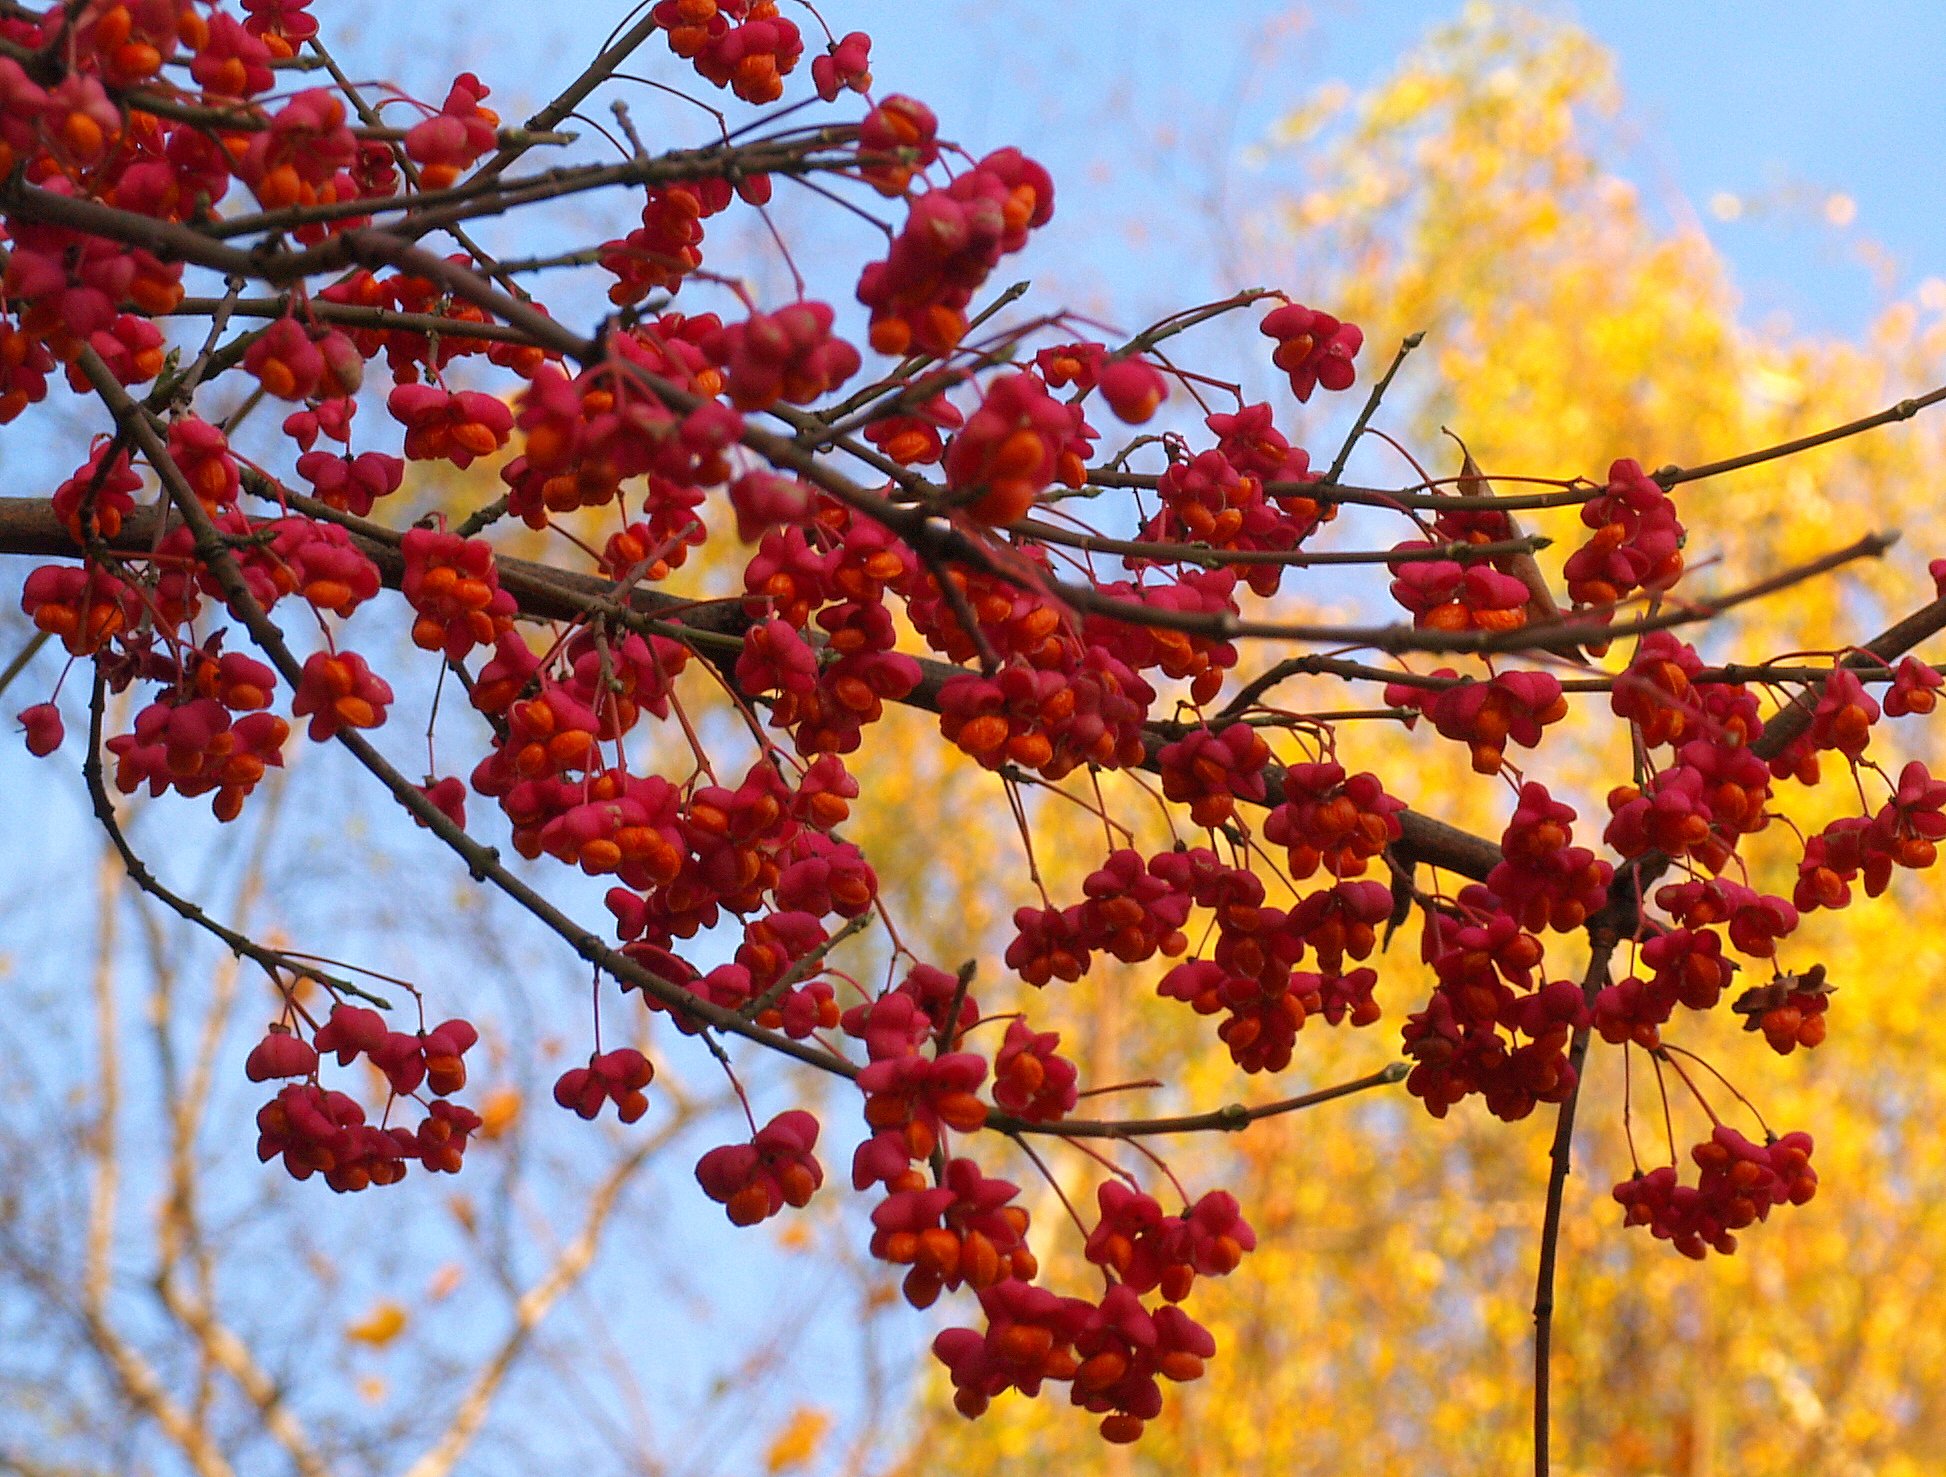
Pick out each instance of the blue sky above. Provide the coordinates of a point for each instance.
(1780, 113)
(1775, 108)
(1816, 100)
(1750, 118)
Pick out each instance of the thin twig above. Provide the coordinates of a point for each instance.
(272, 960)
(1905, 410)
(1228, 1119)
(1406, 345)
(804, 967)
(1208, 556)
(26, 654)
(1560, 1157)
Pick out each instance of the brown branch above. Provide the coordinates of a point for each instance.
(1391, 499)
(1568, 496)
(1406, 345)
(136, 1376)
(899, 390)
(1210, 557)
(1926, 621)
(271, 960)
(21, 658)
(482, 861)
(804, 967)
(481, 194)
(1905, 410)
(28, 526)
(1228, 1119)
(532, 1307)
(1535, 636)
(1560, 1157)
(576, 92)
(1315, 665)
(355, 315)
(249, 118)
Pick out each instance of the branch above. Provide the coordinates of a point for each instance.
(1210, 557)
(1315, 665)
(271, 960)
(21, 658)
(1390, 499)
(482, 861)
(571, 97)
(530, 1309)
(1926, 621)
(1574, 493)
(28, 526)
(934, 536)
(481, 194)
(178, 1218)
(1231, 1118)
(1557, 1180)
(1406, 345)
(806, 966)
(355, 315)
(1905, 410)
(132, 1372)
(1531, 637)
(234, 1358)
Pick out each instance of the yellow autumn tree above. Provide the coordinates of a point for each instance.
(1385, 1324)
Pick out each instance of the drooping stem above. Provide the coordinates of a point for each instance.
(1560, 1157)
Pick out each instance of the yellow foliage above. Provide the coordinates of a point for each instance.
(1384, 1324)
(385, 1322)
(499, 1110)
(796, 1444)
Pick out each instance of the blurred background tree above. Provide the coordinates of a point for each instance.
(1474, 194)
